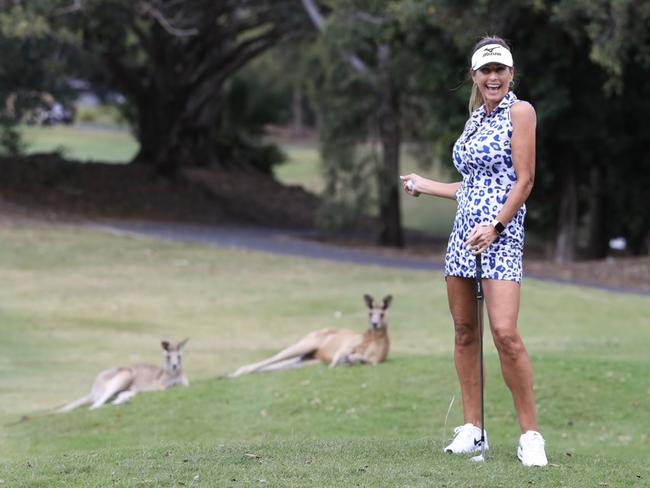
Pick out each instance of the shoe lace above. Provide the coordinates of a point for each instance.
(461, 428)
(533, 443)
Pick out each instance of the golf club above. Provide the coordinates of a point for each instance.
(479, 307)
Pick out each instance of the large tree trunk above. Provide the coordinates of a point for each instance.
(173, 134)
(567, 219)
(389, 131)
(297, 123)
(597, 231)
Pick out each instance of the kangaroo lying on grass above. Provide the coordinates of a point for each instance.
(125, 383)
(333, 346)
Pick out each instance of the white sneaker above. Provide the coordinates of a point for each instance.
(467, 438)
(531, 449)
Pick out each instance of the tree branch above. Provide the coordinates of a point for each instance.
(371, 19)
(317, 19)
(148, 9)
(74, 7)
(218, 61)
(314, 14)
(213, 79)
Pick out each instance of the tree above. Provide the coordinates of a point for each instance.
(369, 89)
(619, 42)
(174, 61)
(32, 65)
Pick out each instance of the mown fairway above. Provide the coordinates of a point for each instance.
(74, 302)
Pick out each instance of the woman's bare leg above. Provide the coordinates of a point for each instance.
(502, 299)
(462, 304)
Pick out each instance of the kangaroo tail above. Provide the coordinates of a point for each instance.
(87, 400)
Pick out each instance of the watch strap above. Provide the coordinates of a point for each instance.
(498, 226)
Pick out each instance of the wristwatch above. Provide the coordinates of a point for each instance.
(498, 226)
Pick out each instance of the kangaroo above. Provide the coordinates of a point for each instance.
(125, 383)
(333, 346)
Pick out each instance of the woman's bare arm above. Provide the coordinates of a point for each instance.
(426, 186)
(522, 144)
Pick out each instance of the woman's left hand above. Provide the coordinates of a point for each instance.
(480, 239)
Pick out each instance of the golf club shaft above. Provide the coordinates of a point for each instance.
(479, 308)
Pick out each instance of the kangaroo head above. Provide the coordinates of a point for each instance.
(173, 364)
(377, 312)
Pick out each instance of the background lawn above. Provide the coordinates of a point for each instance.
(75, 301)
(83, 143)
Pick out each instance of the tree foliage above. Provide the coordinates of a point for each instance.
(33, 64)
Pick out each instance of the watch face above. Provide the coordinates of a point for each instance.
(498, 226)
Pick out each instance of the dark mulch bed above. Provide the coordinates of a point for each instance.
(54, 187)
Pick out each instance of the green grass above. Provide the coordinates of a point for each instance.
(74, 302)
(106, 115)
(303, 167)
(83, 143)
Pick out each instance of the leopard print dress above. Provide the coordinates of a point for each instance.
(483, 156)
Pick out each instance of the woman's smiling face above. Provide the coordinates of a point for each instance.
(493, 81)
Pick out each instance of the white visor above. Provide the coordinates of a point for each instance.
(491, 53)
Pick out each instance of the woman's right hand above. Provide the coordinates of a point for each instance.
(411, 184)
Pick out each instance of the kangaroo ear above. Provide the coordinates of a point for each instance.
(368, 300)
(181, 344)
(387, 301)
(165, 345)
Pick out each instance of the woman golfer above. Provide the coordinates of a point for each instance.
(496, 156)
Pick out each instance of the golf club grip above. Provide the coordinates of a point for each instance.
(479, 275)
(479, 307)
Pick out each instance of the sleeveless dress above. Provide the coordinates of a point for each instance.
(483, 156)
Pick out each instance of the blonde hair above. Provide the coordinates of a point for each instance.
(475, 98)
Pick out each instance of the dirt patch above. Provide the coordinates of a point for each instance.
(47, 188)
(628, 273)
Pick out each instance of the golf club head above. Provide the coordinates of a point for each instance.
(481, 457)
(478, 459)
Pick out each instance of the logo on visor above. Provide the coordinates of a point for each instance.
(489, 51)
